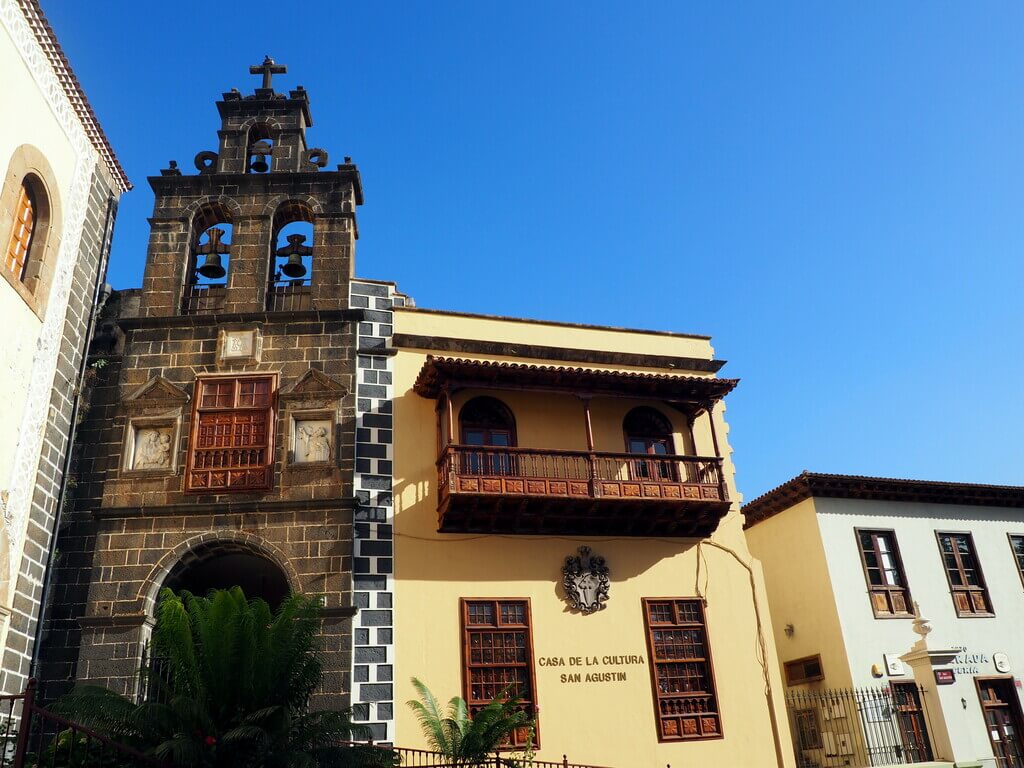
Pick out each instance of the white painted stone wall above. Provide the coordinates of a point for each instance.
(867, 639)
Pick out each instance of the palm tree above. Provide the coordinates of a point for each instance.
(234, 689)
(469, 740)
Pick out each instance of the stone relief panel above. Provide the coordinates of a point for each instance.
(239, 346)
(150, 446)
(312, 438)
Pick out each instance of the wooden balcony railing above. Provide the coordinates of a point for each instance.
(485, 488)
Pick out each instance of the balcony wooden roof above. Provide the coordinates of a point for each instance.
(438, 372)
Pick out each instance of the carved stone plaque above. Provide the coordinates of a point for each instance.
(153, 446)
(240, 346)
(312, 441)
(585, 577)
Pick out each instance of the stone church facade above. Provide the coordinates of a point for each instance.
(219, 444)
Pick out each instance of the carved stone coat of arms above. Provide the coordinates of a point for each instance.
(585, 577)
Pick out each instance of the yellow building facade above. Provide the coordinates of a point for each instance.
(516, 444)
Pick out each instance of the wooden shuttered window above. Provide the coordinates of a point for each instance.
(685, 703)
(1017, 546)
(805, 670)
(232, 442)
(963, 572)
(883, 570)
(497, 652)
(20, 241)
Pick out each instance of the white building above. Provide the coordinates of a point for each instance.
(58, 196)
(845, 560)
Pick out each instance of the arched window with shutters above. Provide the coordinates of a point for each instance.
(649, 433)
(487, 424)
(22, 231)
(29, 226)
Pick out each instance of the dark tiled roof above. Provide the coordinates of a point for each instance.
(437, 371)
(47, 40)
(808, 485)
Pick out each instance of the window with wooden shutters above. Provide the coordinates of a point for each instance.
(685, 703)
(232, 442)
(1017, 545)
(963, 572)
(20, 241)
(805, 670)
(498, 653)
(883, 569)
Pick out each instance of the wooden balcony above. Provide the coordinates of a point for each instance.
(529, 491)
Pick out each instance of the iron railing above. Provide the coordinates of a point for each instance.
(290, 295)
(859, 727)
(203, 299)
(34, 737)
(422, 758)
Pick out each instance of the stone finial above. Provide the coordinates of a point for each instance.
(268, 69)
(921, 626)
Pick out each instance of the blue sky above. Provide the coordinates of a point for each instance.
(833, 191)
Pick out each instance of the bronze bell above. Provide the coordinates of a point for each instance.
(294, 267)
(260, 150)
(211, 267)
(295, 250)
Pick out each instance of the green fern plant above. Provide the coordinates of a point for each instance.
(466, 740)
(234, 687)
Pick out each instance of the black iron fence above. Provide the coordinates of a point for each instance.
(859, 727)
(34, 737)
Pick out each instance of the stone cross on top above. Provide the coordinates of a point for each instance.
(268, 69)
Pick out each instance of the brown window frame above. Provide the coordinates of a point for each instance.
(269, 447)
(1018, 559)
(954, 590)
(889, 593)
(700, 719)
(21, 237)
(791, 680)
(467, 630)
(1013, 705)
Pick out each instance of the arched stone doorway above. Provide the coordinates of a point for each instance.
(221, 565)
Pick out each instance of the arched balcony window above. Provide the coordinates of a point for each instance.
(649, 433)
(291, 267)
(209, 261)
(487, 424)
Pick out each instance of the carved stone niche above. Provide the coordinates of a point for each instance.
(152, 429)
(311, 407)
(239, 345)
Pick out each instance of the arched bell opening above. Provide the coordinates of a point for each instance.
(291, 263)
(209, 259)
(259, 153)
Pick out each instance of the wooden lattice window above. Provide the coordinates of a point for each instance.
(685, 703)
(232, 441)
(883, 570)
(497, 652)
(963, 572)
(20, 242)
(805, 670)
